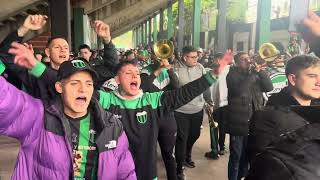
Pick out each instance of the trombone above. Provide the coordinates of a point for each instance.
(212, 122)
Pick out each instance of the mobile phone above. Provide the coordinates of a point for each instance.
(298, 11)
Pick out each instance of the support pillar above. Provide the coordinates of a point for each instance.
(196, 23)
(155, 29)
(146, 32)
(221, 35)
(170, 20)
(137, 36)
(78, 29)
(263, 23)
(149, 31)
(161, 33)
(61, 19)
(181, 24)
(142, 33)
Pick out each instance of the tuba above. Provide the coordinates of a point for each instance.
(268, 52)
(163, 49)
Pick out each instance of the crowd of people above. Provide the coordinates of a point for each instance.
(100, 115)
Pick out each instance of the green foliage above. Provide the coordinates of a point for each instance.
(207, 6)
(236, 10)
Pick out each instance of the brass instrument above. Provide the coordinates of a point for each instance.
(268, 52)
(212, 122)
(163, 49)
(268, 56)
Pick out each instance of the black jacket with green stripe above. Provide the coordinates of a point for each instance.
(140, 118)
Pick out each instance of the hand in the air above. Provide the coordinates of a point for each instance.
(23, 55)
(312, 22)
(32, 22)
(103, 30)
(165, 63)
(228, 56)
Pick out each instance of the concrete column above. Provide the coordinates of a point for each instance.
(61, 19)
(263, 23)
(149, 31)
(142, 33)
(155, 29)
(137, 36)
(221, 35)
(181, 24)
(133, 37)
(196, 23)
(146, 32)
(170, 20)
(78, 28)
(161, 24)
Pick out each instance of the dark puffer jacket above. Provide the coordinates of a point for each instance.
(282, 114)
(244, 95)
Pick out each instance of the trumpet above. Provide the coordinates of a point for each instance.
(212, 122)
(163, 49)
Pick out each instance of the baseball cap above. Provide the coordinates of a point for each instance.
(68, 68)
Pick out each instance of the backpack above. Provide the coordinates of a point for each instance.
(294, 156)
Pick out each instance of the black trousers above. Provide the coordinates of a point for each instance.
(167, 141)
(188, 132)
(220, 115)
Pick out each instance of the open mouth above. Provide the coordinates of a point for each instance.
(63, 57)
(134, 85)
(81, 100)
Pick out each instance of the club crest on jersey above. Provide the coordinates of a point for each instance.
(142, 117)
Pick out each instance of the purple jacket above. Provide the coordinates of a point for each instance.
(44, 134)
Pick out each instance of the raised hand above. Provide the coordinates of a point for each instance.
(23, 55)
(226, 60)
(103, 30)
(29, 46)
(165, 63)
(32, 22)
(228, 56)
(312, 22)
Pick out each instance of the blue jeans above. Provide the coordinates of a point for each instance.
(238, 161)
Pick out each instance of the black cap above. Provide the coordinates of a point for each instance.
(68, 68)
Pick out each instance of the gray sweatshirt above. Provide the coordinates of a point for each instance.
(185, 75)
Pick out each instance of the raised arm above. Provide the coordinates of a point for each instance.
(32, 22)
(171, 100)
(20, 114)
(110, 57)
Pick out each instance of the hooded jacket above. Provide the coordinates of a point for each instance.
(45, 136)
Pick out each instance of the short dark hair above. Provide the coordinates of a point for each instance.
(53, 38)
(127, 53)
(124, 63)
(188, 49)
(238, 55)
(298, 63)
(218, 55)
(84, 46)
